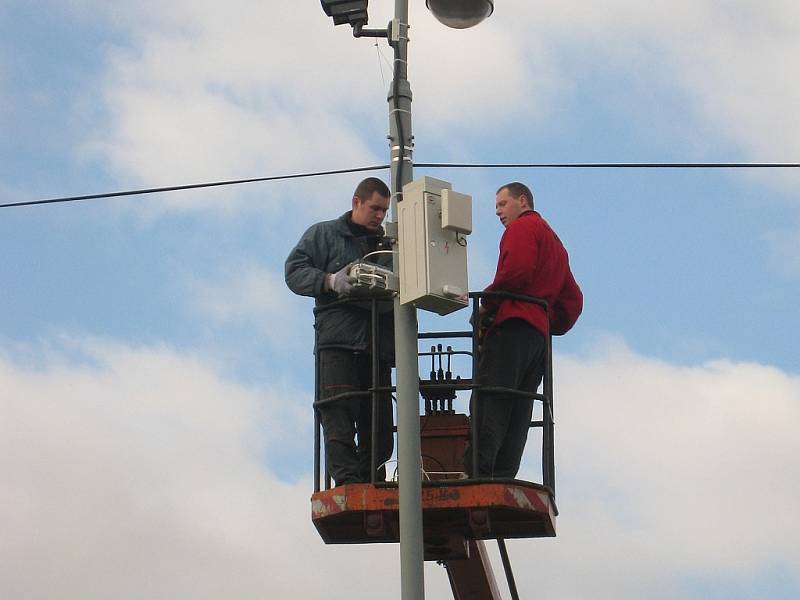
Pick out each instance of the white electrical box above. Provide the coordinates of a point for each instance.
(456, 212)
(433, 222)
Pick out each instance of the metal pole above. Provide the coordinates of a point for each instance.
(512, 584)
(317, 441)
(475, 401)
(549, 469)
(412, 583)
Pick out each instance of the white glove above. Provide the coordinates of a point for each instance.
(341, 282)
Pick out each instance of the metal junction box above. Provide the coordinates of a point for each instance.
(433, 223)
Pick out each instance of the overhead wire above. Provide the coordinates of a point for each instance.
(424, 165)
(380, 66)
(193, 186)
(381, 55)
(664, 165)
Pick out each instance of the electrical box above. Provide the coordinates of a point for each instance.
(456, 212)
(433, 223)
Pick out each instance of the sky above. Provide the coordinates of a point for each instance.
(156, 374)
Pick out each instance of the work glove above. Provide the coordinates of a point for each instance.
(341, 282)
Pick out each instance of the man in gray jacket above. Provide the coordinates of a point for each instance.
(317, 266)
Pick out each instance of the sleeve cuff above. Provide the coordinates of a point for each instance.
(327, 282)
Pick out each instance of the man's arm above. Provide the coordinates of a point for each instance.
(517, 259)
(567, 307)
(303, 271)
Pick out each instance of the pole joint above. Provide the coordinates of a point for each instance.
(359, 32)
(398, 30)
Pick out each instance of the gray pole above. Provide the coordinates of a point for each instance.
(412, 582)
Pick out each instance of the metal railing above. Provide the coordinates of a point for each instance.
(546, 397)
(452, 385)
(374, 391)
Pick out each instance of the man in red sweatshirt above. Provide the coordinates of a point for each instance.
(532, 262)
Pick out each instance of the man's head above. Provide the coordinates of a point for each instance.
(511, 201)
(370, 203)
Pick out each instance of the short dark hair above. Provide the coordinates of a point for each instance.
(369, 186)
(517, 189)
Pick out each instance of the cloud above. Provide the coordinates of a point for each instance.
(5, 101)
(485, 77)
(784, 250)
(140, 472)
(252, 296)
(699, 80)
(671, 475)
(729, 64)
(210, 92)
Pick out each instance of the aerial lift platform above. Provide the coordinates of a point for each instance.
(459, 513)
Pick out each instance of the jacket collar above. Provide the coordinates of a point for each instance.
(343, 224)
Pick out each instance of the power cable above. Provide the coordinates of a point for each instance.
(608, 165)
(192, 186)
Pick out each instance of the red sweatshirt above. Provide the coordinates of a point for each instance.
(534, 262)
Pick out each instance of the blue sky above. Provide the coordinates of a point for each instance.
(156, 371)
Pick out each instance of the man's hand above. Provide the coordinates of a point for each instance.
(341, 282)
(481, 313)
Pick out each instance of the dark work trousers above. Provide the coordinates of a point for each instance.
(342, 371)
(513, 356)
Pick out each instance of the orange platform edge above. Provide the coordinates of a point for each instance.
(453, 513)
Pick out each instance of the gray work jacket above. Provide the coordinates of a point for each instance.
(325, 248)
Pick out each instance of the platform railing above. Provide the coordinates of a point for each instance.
(373, 392)
(546, 397)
